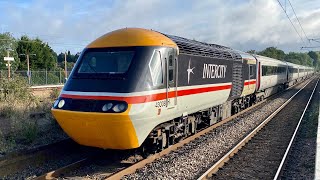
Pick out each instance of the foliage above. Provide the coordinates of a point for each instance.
(8, 42)
(70, 57)
(273, 52)
(299, 58)
(307, 59)
(41, 54)
(54, 94)
(315, 56)
(15, 90)
(252, 51)
(46, 77)
(29, 132)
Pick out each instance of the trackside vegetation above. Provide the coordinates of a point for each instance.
(24, 117)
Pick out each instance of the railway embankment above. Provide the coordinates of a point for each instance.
(25, 117)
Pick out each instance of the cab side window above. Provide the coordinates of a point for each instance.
(251, 73)
(155, 66)
(171, 69)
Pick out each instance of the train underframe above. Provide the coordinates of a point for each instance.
(173, 131)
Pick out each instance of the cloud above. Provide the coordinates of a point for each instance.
(243, 25)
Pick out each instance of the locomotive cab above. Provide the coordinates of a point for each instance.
(108, 80)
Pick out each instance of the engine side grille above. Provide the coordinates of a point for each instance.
(237, 81)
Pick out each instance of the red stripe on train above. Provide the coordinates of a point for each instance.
(249, 82)
(151, 97)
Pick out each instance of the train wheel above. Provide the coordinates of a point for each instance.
(164, 141)
(193, 127)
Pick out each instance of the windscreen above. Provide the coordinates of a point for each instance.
(110, 62)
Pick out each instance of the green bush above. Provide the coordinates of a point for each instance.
(15, 90)
(52, 78)
(38, 77)
(46, 77)
(54, 93)
(29, 132)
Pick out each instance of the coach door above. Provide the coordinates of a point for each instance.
(171, 78)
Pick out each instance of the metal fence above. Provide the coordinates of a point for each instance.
(39, 77)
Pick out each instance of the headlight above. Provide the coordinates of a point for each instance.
(61, 103)
(55, 103)
(107, 107)
(121, 107)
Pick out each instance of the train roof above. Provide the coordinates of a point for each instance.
(268, 60)
(142, 37)
(132, 37)
(292, 64)
(197, 48)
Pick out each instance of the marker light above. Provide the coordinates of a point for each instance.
(121, 107)
(107, 107)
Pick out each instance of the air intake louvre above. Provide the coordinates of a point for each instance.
(192, 47)
(237, 83)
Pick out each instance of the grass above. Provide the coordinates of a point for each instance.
(54, 93)
(17, 102)
(312, 119)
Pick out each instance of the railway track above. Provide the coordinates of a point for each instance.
(267, 149)
(114, 165)
(118, 167)
(282, 167)
(30, 162)
(119, 164)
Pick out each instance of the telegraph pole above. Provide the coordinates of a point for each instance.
(28, 65)
(28, 73)
(8, 65)
(65, 66)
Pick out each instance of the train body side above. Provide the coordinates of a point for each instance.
(202, 82)
(164, 85)
(272, 72)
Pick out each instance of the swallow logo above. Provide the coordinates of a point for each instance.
(189, 70)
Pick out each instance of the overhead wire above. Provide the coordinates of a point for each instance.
(291, 21)
(298, 21)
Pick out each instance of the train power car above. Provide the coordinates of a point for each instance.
(134, 87)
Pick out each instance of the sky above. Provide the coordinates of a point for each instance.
(239, 24)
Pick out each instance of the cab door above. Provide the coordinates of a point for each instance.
(171, 78)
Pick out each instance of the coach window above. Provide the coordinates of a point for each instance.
(155, 66)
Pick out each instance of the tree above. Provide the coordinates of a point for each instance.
(7, 41)
(70, 57)
(315, 57)
(252, 51)
(292, 57)
(45, 57)
(299, 58)
(273, 52)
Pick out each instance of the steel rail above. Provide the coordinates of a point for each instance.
(131, 169)
(294, 135)
(142, 163)
(213, 169)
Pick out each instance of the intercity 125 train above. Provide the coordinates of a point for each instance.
(134, 87)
